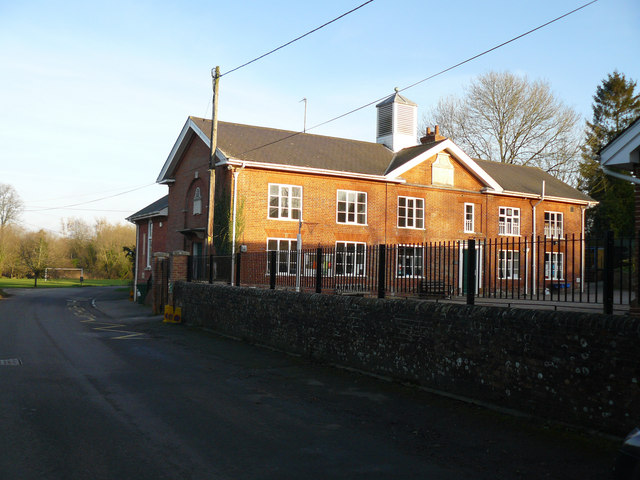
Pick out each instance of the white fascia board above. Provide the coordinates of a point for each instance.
(546, 197)
(458, 154)
(178, 148)
(159, 213)
(234, 162)
(624, 151)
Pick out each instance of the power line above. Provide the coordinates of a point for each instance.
(296, 39)
(83, 195)
(89, 201)
(429, 77)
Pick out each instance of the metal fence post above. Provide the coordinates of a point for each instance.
(272, 270)
(238, 260)
(381, 269)
(471, 272)
(319, 270)
(608, 273)
(210, 268)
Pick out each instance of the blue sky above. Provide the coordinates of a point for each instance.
(94, 94)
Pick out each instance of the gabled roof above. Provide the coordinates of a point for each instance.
(528, 180)
(159, 208)
(624, 150)
(283, 147)
(303, 152)
(408, 158)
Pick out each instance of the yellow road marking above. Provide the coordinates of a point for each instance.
(107, 327)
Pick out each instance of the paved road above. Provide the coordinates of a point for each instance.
(102, 390)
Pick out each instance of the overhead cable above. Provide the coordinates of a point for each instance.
(296, 39)
(429, 77)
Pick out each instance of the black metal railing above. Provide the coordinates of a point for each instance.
(570, 269)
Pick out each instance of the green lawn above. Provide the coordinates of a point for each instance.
(58, 283)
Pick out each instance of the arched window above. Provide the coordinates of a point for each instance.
(197, 202)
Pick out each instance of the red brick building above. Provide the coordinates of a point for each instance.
(151, 236)
(272, 184)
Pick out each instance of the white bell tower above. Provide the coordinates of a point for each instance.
(397, 122)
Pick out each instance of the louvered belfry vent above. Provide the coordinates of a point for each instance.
(385, 120)
(397, 122)
(404, 119)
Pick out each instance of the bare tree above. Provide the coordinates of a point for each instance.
(507, 118)
(34, 253)
(10, 205)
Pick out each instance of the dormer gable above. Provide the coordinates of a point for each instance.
(440, 156)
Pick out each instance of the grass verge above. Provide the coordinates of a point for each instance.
(58, 283)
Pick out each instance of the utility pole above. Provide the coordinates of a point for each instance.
(212, 159)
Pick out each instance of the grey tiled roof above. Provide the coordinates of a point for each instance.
(518, 178)
(152, 210)
(283, 147)
(407, 154)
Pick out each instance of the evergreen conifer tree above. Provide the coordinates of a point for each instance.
(615, 107)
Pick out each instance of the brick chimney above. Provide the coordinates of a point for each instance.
(432, 136)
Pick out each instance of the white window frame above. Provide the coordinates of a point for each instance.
(469, 217)
(354, 262)
(413, 212)
(286, 258)
(149, 242)
(309, 265)
(410, 261)
(352, 201)
(284, 204)
(508, 264)
(553, 264)
(197, 202)
(509, 223)
(554, 224)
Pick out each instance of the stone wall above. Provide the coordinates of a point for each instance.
(581, 369)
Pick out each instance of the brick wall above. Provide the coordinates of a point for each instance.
(158, 244)
(192, 173)
(580, 369)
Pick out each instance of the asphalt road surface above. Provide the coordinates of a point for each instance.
(103, 390)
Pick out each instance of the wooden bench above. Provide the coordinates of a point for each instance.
(353, 290)
(429, 288)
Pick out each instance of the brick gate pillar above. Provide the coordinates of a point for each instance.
(159, 280)
(179, 267)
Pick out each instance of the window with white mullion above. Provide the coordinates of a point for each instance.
(553, 225)
(508, 264)
(410, 261)
(410, 212)
(350, 258)
(469, 218)
(285, 202)
(509, 221)
(286, 256)
(554, 266)
(351, 207)
(149, 242)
